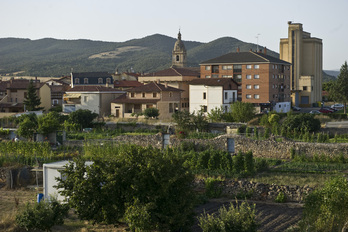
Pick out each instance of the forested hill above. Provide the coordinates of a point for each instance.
(52, 57)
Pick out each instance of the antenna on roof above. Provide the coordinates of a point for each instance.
(257, 42)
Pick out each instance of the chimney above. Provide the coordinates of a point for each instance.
(158, 81)
(265, 50)
(250, 50)
(35, 79)
(166, 85)
(238, 49)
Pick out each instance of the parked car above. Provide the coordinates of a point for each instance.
(337, 106)
(325, 111)
(296, 108)
(315, 112)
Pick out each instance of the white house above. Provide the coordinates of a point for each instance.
(212, 93)
(94, 98)
(50, 173)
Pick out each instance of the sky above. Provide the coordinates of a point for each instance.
(254, 21)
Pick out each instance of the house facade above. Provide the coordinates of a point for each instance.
(97, 99)
(152, 95)
(208, 94)
(16, 92)
(305, 53)
(262, 78)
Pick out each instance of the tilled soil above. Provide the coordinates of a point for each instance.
(272, 217)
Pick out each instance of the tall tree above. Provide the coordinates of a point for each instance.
(242, 111)
(339, 90)
(32, 101)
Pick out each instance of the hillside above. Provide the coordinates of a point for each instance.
(52, 57)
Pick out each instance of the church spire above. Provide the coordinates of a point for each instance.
(179, 53)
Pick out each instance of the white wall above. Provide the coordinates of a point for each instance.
(92, 103)
(196, 97)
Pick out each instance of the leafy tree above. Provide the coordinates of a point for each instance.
(339, 90)
(151, 113)
(82, 118)
(303, 122)
(326, 209)
(48, 123)
(242, 111)
(142, 186)
(32, 101)
(42, 216)
(27, 125)
(216, 114)
(239, 218)
(199, 120)
(183, 119)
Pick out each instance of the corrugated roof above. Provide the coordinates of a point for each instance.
(153, 87)
(244, 57)
(175, 71)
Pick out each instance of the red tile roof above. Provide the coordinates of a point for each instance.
(153, 87)
(174, 71)
(127, 84)
(22, 84)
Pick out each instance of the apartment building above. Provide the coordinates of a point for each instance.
(262, 78)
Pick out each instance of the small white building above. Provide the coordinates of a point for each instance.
(212, 93)
(282, 107)
(50, 173)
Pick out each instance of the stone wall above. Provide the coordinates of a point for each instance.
(268, 148)
(259, 191)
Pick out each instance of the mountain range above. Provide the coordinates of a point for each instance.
(53, 58)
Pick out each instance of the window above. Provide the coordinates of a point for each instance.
(237, 68)
(276, 66)
(256, 86)
(248, 86)
(132, 94)
(204, 95)
(304, 88)
(170, 94)
(248, 96)
(171, 108)
(215, 76)
(273, 76)
(226, 76)
(85, 80)
(85, 98)
(226, 67)
(205, 109)
(108, 80)
(177, 58)
(143, 94)
(256, 66)
(256, 96)
(55, 102)
(256, 76)
(207, 67)
(248, 66)
(215, 68)
(77, 81)
(207, 76)
(226, 95)
(182, 105)
(248, 77)
(100, 80)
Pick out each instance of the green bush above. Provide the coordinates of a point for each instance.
(42, 216)
(213, 188)
(280, 198)
(239, 218)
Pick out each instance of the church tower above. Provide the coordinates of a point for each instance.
(179, 53)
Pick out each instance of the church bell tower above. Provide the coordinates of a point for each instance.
(179, 53)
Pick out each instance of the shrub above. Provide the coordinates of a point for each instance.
(236, 218)
(42, 216)
(213, 188)
(280, 198)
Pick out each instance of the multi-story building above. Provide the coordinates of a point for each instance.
(208, 94)
(305, 53)
(91, 78)
(262, 78)
(152, 95)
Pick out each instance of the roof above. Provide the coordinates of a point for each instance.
(123, 83)
(58, 88)
(123, 99)
(244, 57)
(213, 81)
(3, 85)
(92, 88)
(153, 87)
(91, 74)
(22, 84)
(175, 71)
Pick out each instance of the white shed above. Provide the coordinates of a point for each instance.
(50, 173)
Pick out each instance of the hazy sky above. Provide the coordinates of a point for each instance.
(199, 20)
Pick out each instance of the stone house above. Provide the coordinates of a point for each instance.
(163, 97)
(16, 91)
(97, 99)
(212, 93)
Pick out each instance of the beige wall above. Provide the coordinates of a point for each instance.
(45, 97)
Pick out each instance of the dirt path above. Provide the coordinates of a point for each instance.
(272, 217)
